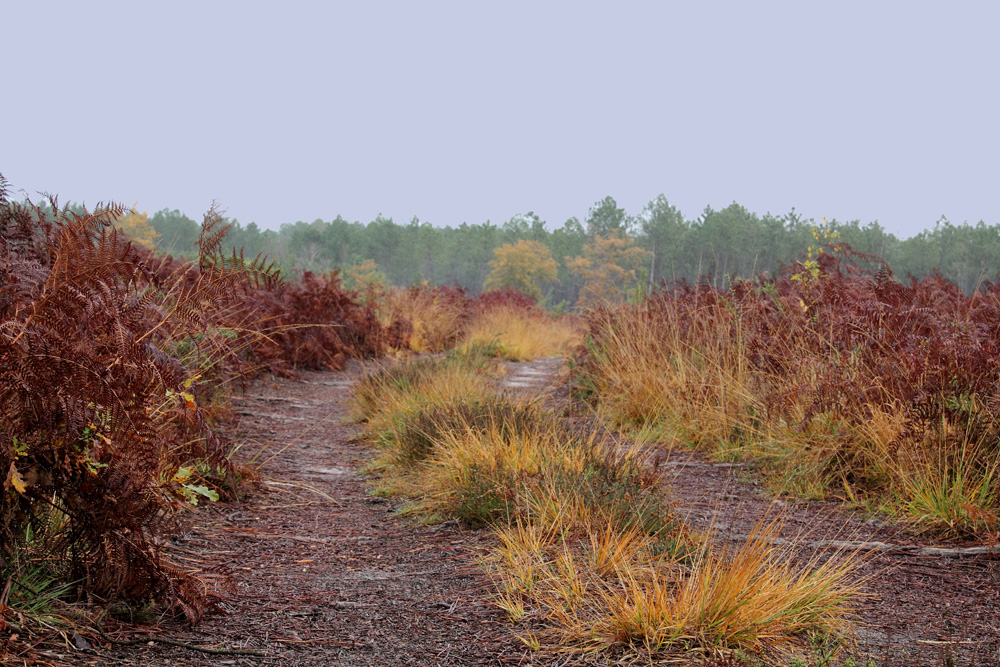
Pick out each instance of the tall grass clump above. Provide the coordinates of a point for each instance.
(842, 379)
(521, 334)
(423, 318)
(589, 555)
(615, 594)
(649, 376)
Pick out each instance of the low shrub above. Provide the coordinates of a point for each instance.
(314, 323)
(433, 319)
(505, 298)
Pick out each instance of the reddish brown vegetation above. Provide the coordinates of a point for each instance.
(87, 390)
(925, 342)
(111, 366)
(315, 323)
(891, 380)
(504, 297)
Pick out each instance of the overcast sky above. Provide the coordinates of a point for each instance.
(469, 111)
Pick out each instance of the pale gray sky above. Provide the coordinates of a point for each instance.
(468, 111)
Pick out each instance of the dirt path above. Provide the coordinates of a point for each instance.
(327, 575)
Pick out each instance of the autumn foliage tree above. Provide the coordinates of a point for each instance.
(137, 227)
(365, 277)
(524, 266)
(608, 267)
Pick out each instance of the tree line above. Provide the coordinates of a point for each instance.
(655, 244)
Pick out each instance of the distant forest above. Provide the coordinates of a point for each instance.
(717, 246)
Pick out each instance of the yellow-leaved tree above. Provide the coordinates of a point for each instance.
(524, 266)
(365, 276)
(367, 280)
(137, 227)
(609, 267)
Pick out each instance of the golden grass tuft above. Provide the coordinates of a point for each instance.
(412, 384)
(521, 335)
(953, 494)
(436, 316)
(650, 376)
(614, 592)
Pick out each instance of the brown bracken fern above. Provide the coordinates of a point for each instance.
(92, 390)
